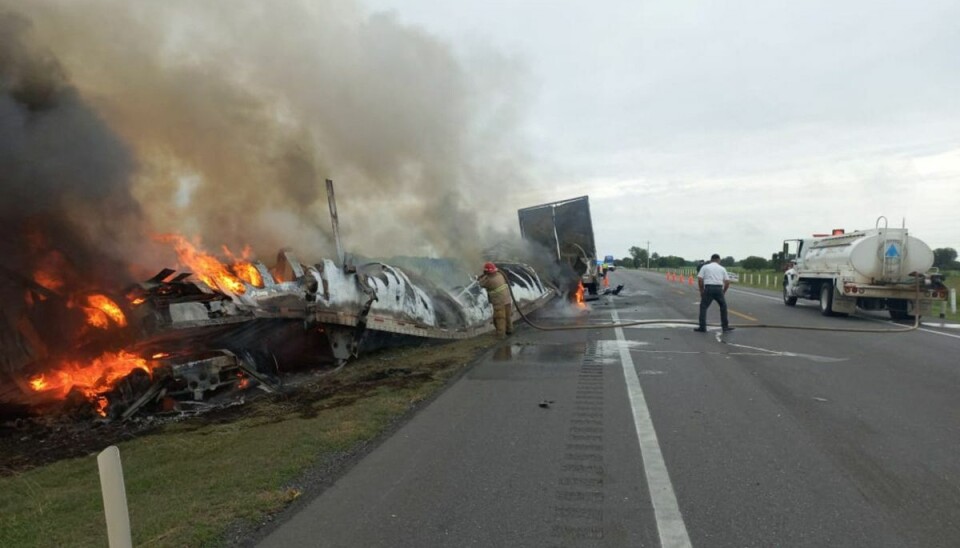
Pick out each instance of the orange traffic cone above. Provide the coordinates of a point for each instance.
(669, 276)
(606, 281)
(691, 280)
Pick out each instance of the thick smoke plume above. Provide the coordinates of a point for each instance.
(64, 174)
(222, 121)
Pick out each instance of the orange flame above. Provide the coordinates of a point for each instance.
(579, 294)
(96, 318)
(51, 266)
(243, 268)
(248, 273)
(205, 266)
(38, 383)
(107, 309)
(93, 379)
(100, 311)
(48, 279)
(138, 301)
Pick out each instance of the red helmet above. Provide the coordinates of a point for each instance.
(489, 267)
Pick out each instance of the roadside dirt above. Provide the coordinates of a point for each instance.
(37, 441)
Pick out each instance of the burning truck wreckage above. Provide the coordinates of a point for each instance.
(186, 341)
(185, 337)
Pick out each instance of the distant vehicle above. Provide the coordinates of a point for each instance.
(610, 263)
(566, 229)
(876, 269)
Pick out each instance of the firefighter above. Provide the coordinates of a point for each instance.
(498, 293)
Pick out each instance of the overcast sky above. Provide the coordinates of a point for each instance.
(728, 126)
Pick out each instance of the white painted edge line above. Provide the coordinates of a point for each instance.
(938, 332)
(888, 322)
(670, 526)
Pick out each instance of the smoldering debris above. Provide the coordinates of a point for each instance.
(177, 339)
(185, 118)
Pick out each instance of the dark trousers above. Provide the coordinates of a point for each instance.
(713, 293)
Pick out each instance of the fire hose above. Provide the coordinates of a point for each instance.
(613, 325)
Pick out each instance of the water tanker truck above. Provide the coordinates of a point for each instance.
(877, 269)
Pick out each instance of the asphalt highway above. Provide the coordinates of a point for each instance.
(660, 436)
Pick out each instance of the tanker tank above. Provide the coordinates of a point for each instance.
(880, 255)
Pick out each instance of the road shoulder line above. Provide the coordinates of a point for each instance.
(670, 526)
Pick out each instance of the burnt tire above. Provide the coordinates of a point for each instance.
(826, 299)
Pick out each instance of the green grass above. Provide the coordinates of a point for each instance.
(188, 483)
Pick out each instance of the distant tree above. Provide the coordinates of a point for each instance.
(639, 256)
(672, 261)
(655, 260)
(776, 261)
(945, 257)
(727, 261)
(628, 262)
(754, 263)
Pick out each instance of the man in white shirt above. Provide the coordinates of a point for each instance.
(714, 282)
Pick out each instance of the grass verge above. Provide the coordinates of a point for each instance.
(190, 481)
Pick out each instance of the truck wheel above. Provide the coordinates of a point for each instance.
(826, 299)
(788, 300)
(897, 313)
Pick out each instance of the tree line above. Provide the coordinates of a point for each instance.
(944, 258)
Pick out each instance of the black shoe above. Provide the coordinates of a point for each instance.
(700, 329)
(729, 328)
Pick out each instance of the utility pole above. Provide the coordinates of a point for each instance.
(648, 254)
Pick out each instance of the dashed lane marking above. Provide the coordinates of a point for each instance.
(742, 315)
(670, 526)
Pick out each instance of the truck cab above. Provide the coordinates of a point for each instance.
(609, 263)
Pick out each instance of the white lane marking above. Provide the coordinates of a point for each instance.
(784, 353)
(670, 526)
(941, 325)
(888, 322)
(938, 333)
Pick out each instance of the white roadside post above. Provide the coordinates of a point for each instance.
(114, 498)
